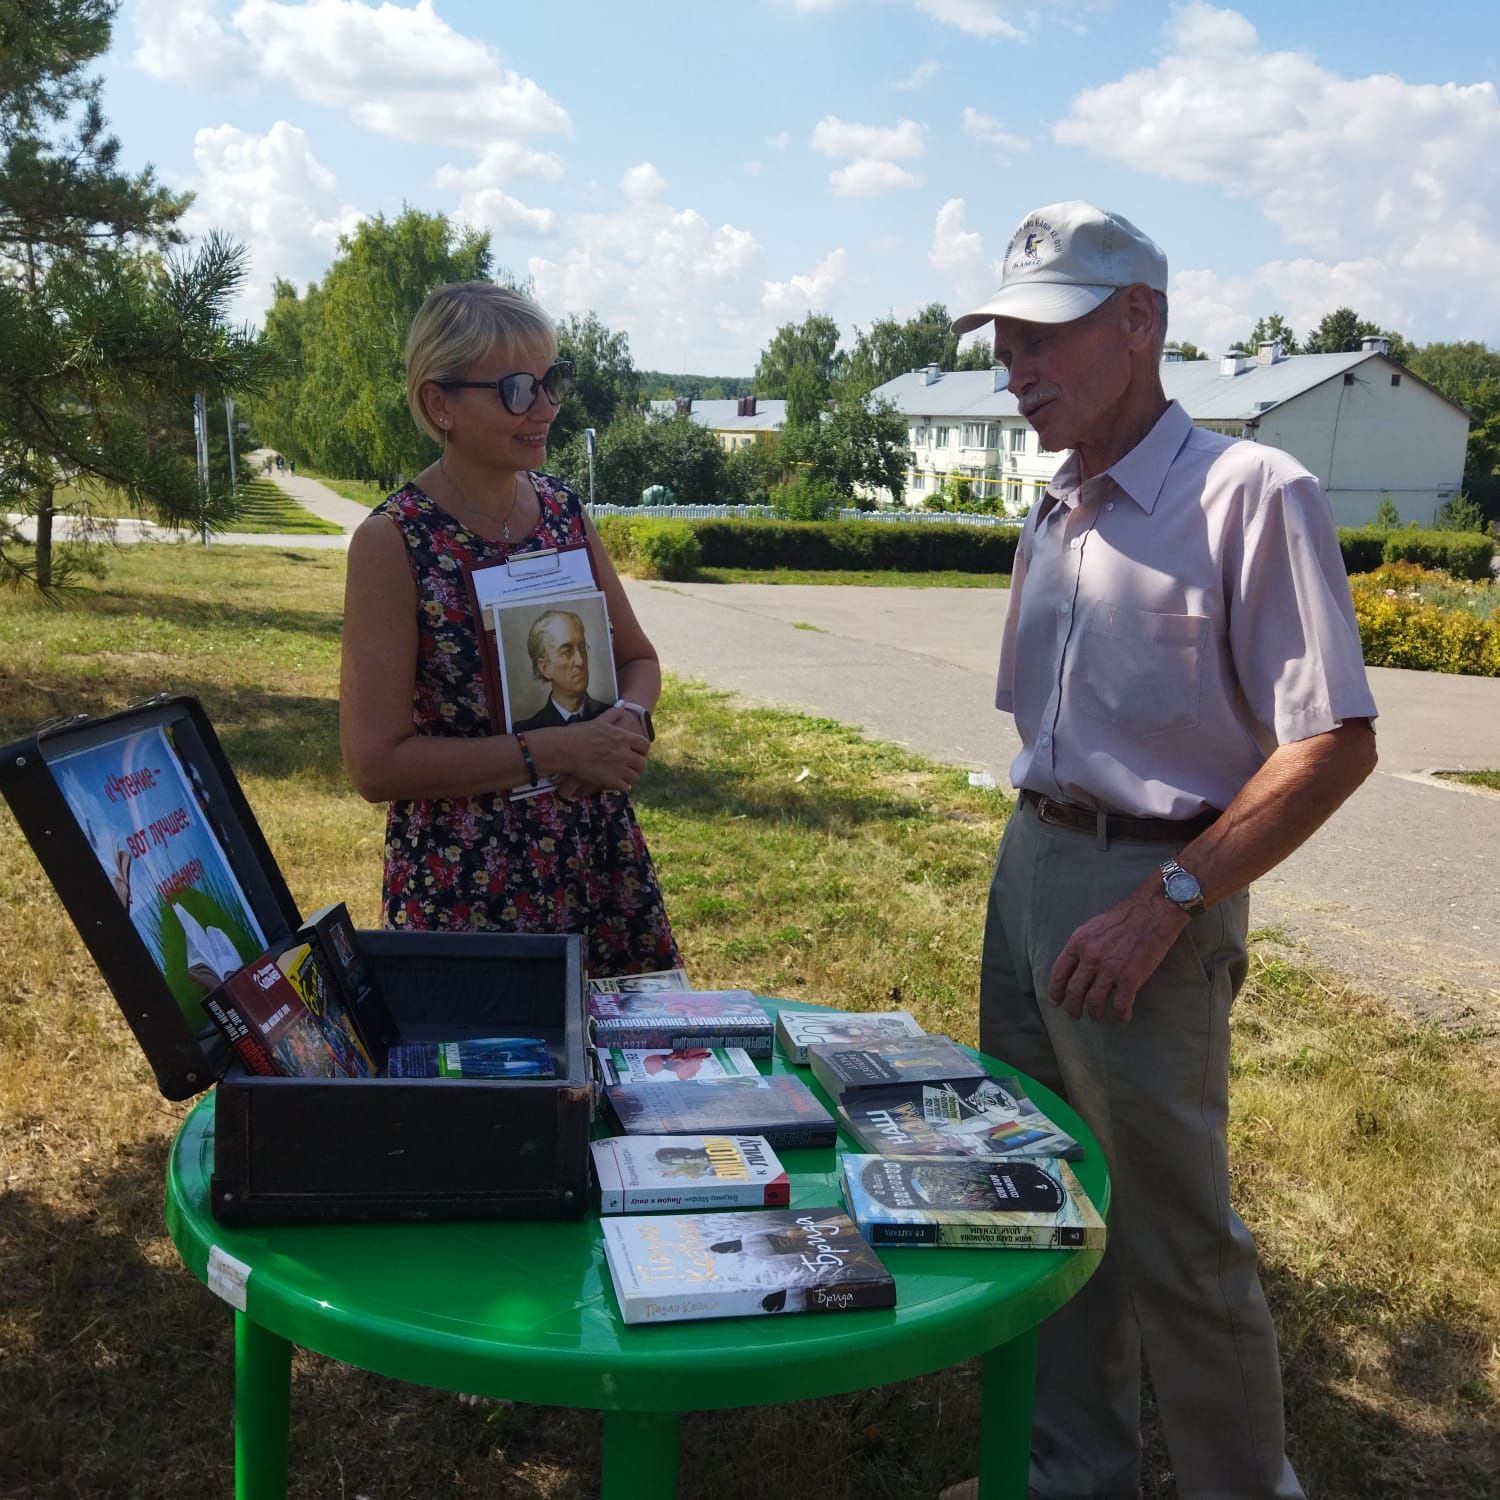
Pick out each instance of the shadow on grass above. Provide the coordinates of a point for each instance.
(263, 733)
(194, 613)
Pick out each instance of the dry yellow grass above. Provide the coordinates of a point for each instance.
(1368, 1152)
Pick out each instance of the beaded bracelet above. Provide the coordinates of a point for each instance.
(530, 760)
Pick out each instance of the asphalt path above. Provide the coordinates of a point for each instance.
(1399, 891)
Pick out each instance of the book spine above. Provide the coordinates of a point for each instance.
(894, 1235)
(793, 1137)
(246, 1047)
(985, 1236)
(647, 1307)
(624, 1031)
(691, 1200)
(850, 1296)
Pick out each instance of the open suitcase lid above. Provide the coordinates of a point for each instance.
(143, 829)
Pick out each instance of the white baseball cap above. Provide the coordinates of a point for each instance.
(1063, 261)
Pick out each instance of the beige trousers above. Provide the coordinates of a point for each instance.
(1179, 1276)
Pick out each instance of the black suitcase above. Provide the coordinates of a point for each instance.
(289, 1150)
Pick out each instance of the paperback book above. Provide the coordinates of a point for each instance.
(738, 1265)
(631, 984)
(330, 932)
(965, 1202)
(844, 1071)
(642, 1174)
(685, 1018)
(797, 1030)
(476, 1057)
(991, 1117)
(270, 1028)
(781, 1108)
(645, 1064)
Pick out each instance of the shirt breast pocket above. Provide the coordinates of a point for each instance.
(1141, 672)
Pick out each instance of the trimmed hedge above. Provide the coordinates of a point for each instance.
(1464, 554)
(857, 546)
(649, 547)
(1363, 548)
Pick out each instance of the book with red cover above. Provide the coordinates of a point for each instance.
(269, 1026)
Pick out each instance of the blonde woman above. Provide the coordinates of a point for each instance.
(484, 381)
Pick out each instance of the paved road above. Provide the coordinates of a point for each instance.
(1398, 891)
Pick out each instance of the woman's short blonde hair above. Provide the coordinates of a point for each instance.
(461, 322)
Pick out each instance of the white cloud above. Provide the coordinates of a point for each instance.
(780, 141)
(505, 217)
(801, 294)
(920, 76)
(835, 137)
(1361, 170)
(643, 182)
(501, 162)
(982, 18)
(187, 42)
(865, 178)
(992, 132)
(272, 193)
(955, 250)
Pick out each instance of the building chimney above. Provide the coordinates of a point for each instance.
(929, 374)
(684, 405)
(1234, 363)
(1270, 353)
(747, 406)
(1375, 343)
(1000, 377)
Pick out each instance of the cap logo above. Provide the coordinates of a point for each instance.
(1028, 243)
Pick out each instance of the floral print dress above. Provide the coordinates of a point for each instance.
(484, 863)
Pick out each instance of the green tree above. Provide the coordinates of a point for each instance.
(1343, 330)
(858, 447)
(889, 348)
(813, 342)
(635, 451)
(979, 355)
(605, 382)
(104, 339)
(805, 395)
(1185, 348)
(1469, 372)
(1276, 330)
(751, 472)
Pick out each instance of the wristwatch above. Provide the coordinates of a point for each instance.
(643, 714)
(1181, 888)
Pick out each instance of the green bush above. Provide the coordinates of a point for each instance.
(804, 499)
(1363, 547)
(1465, 554)
(855, 546)
(646, 547)
(1398, 627)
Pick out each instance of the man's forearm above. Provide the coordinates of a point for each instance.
(1293, 794)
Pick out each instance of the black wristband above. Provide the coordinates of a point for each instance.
(530, 760)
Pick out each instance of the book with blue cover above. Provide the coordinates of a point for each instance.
(1033, 1203)
(845, 1070)
(478, 1057)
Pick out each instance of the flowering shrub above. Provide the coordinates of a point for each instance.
(1401, 624)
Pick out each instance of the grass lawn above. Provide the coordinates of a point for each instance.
(361, 491)
(1490, 780)
(884, 578)
(264, 508)
(1367, 1150)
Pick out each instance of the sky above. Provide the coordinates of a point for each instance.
(700, 174)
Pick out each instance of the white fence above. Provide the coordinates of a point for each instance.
(754, 512)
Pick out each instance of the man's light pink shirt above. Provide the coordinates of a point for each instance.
(1172, 621)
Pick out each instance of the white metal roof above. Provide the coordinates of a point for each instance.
(1205, 393)
(723, 416)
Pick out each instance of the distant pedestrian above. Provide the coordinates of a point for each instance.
(280, 464)
(291, 465)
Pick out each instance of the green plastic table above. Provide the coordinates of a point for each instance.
(526, 1312)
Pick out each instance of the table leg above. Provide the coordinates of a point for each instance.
(1005, 1406)
(639, 1460)
(262, 1411)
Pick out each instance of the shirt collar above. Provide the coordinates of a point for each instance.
(1140, 474)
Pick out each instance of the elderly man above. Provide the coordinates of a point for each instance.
(1181, 658)
(559, 652)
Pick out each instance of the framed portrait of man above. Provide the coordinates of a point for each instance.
(557, 665)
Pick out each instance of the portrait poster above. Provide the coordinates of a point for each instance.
(139, 810)
(557, 663)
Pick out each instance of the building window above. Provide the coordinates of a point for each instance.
(1395, 380)
(939, 437)
(976, 435)
(1018, 440)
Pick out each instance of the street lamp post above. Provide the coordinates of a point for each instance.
(588, 443)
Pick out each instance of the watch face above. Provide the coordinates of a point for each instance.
(1182, 887)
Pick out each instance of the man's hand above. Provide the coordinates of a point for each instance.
(1112, 955)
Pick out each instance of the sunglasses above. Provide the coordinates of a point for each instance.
(518, 393)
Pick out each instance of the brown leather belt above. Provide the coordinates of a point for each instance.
(1117, 825)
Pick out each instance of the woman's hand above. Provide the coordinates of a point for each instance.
(605, 754)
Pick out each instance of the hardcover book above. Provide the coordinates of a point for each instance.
(797, 1030)
(965, 1202)
(991, 1117)
(645, 1064)
(270, 1028)
(309, 976)
(684, 1018)
(737, 1265)
(851, 1070)
(781, 1108)
(330, 932)
(478, 1057)
(642, 1174)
